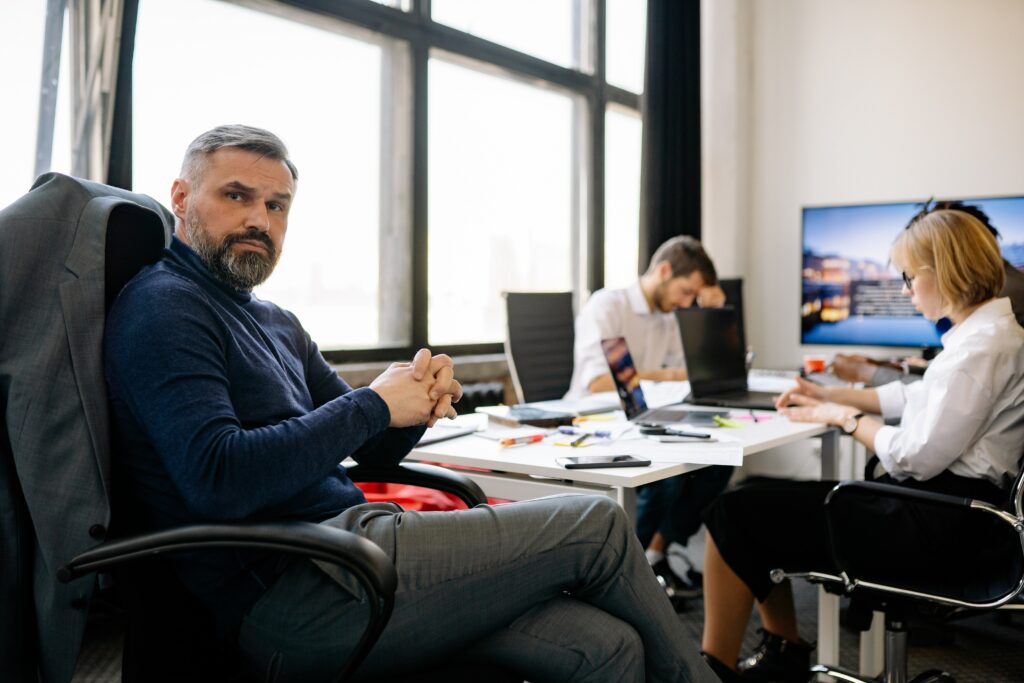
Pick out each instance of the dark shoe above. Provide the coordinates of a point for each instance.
(679, 588)
(777, 660)
(724, 673)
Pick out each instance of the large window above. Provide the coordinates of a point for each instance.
(627, 21)
(21, 52)
(543, 28)
(445, 150)
(622, 198)
(500, 198)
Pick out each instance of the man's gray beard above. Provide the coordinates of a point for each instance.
(237, 270)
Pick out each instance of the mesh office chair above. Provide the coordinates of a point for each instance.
(538, 343)
(989, 578)
(96, 238)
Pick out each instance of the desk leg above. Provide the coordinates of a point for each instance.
(625, 496)
(828, 604)
(828, 628)
(872, 646)
(830, 455)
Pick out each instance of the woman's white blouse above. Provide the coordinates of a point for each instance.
(967, 413)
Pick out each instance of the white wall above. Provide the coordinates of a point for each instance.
(833, 101)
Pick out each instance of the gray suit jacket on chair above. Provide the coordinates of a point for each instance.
(54, 436)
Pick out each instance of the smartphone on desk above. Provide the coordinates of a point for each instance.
(581, 462)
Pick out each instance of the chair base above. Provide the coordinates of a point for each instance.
(847, 676)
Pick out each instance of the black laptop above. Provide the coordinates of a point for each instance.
(716, 354)
(631, 396)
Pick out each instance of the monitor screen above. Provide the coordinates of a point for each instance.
(850, 292)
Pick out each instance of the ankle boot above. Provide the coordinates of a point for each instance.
(777, 660)
(724, 673)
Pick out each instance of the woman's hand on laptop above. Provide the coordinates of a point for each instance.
(804, 393)
(813, 410)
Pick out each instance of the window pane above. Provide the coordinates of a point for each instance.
(321, 93)
(500, 199)
(621, 197)
(542, 28)
(626, 43)
(21, 43)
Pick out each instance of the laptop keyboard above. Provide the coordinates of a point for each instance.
(665, 415)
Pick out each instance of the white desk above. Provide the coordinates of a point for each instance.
(530, 471)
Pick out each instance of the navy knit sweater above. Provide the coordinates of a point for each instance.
(224, 409)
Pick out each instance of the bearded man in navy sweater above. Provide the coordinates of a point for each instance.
(225, 410)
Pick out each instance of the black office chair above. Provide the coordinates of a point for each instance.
(989, 577)
(538, 343)
(169, 636)
(733, 288)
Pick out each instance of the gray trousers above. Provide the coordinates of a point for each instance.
(557, 589)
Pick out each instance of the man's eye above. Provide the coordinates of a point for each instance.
(274, 206)
(234, 196)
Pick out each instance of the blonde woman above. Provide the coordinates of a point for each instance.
(960, 432)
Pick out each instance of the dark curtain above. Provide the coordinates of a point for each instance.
(670, 164)
(119, 169)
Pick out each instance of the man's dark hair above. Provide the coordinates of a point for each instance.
(955, 205)
(255, 140)
(685, 255)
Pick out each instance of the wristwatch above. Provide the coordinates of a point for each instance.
(849, 425)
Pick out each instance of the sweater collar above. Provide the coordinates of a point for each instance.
(190, 261)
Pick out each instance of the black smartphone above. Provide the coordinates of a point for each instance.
(580, 462)
(668, 431)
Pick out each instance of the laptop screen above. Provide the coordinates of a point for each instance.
(714, 349)
(627, 379)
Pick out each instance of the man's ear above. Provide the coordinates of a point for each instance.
(180, 191)
(664, 271)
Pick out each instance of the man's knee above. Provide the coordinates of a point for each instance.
(601, 512)
(617, 655)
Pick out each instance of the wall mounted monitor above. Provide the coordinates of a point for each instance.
(850, 294)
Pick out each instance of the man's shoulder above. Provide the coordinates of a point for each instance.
(607, 298)
(154, 283)
(156, 298)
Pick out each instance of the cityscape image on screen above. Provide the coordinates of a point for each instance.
(850, 292)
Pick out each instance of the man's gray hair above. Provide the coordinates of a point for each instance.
(251, 139)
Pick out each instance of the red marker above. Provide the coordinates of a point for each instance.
(522, 439)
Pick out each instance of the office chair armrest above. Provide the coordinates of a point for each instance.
(367, 563)
(314, 541)
(419, 474)
(873, 488)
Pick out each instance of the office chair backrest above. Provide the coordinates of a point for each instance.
(54, 244)
(733, 288)
(135, 238)
(538, 343)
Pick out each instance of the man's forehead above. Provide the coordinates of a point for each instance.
(694, 279)
(234, 164)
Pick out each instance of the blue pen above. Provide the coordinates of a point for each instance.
(601, 433)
